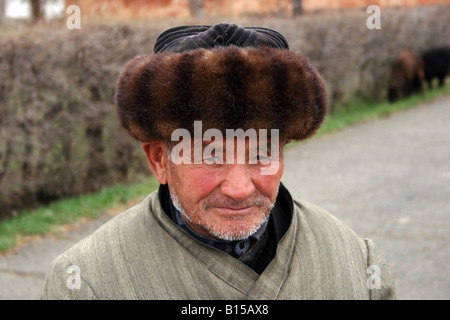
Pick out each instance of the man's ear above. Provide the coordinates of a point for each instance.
(156, 153)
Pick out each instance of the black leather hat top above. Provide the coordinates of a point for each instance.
(185, 38)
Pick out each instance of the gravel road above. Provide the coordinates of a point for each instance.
(388, 179)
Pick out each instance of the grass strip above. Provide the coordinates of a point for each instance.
(43, 220)
(358, 111)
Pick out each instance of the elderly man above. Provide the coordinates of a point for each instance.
(213, 107)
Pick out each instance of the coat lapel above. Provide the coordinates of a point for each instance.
(269, 283)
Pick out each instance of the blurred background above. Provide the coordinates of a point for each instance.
(59, 134)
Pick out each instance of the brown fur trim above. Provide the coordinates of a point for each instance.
(225, 88)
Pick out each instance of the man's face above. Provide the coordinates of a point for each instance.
(228, 201)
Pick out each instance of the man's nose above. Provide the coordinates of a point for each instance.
(238, 183)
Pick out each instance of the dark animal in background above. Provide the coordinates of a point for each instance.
(407, 76)
(436, 65)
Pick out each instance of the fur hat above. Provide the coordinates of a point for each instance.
(228, 77)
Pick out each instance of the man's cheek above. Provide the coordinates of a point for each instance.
(268, 185)
(201, 182)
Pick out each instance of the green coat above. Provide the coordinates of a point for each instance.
(142, 254)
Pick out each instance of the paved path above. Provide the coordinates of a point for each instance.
(388, 179)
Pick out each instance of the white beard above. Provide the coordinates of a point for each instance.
(220, 232)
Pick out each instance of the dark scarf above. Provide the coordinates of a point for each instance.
(256, 251)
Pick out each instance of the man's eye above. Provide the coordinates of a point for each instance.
(261, 159)
(211, 160)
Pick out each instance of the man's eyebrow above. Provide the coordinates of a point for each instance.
(207, 143)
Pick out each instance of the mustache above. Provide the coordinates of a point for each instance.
(227, 202)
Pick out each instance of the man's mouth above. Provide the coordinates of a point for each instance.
(237, 211)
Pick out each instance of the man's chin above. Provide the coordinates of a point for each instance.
(235, 228)
(233, 214)
(232, 235)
